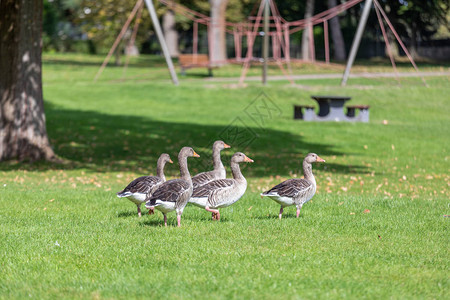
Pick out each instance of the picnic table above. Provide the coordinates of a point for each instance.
(331, 108)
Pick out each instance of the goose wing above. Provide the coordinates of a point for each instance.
(207, 189)
(143, 184)
(203, 178)
(169, 191)
(290, 188)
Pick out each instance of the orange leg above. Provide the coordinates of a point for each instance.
(139, 211)
(215, 212)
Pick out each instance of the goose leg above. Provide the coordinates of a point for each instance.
(215, 213)
(139, 210)
(298, 211)
(281, 212)
(179, 220)
(151, 211)
(165, 220)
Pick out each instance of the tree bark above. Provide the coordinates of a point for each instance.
(306, 38)
(170, 33)
(336, 35)
(216, 35)
(23, 133)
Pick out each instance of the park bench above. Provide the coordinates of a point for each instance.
(363, 111)
(189, 61)
(331, 108)
(351, 109)
(299, 111)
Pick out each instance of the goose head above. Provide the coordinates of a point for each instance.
(239, 157)
(187, 152)
(220, 145)
(312, 157)
(165, 158)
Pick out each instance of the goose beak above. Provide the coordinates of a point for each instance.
(320, 159)
(195, 154)
(226, 145)
(170, 161)
(247, 159)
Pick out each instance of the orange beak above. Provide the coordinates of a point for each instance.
(195, 154)
(247, 159)
(320, 159)
(226, 145)
(170, 161)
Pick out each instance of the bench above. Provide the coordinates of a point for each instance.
(189, 61)
(363, 111)
(298, 111)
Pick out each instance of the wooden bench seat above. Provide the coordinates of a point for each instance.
(189, 61)
(298, 110)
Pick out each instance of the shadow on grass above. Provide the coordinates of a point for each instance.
(144, 61)
(127, 214)
(274, 215)
(115, 143)
(158, 222)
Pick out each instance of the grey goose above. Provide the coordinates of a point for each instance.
(222, 192)
(138, 190)
(218, 172)
(296, 191)
(173, 195)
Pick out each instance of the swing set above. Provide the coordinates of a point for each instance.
(267, 23)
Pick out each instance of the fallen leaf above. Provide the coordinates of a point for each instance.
(250, 208)
(352, 213)
(340, 203)
(366, 211)
(51, 200)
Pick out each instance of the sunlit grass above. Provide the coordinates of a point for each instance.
(375, 229)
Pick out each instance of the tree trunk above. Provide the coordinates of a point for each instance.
(23, 134)
(216, 35)
(170, 33)
(306, 38)
(413, 42)
(336, 35)
(393, 45)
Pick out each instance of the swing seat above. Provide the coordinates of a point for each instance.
(189, 61)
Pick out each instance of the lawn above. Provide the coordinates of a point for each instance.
(376, 228)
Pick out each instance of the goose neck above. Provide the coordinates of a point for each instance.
(217, 162)
(307, 171)
(160, 170)
(184, 172)
(236, 171)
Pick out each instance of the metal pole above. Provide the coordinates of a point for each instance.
(266, 41)
(162, 41)
(356, 40)
(118, 39)
(327, 45)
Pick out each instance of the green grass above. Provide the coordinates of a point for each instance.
(64, 233)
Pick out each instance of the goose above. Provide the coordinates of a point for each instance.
(173, 195)
(296, 191)
(138, 190)
(222, 192)
(219, 170)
